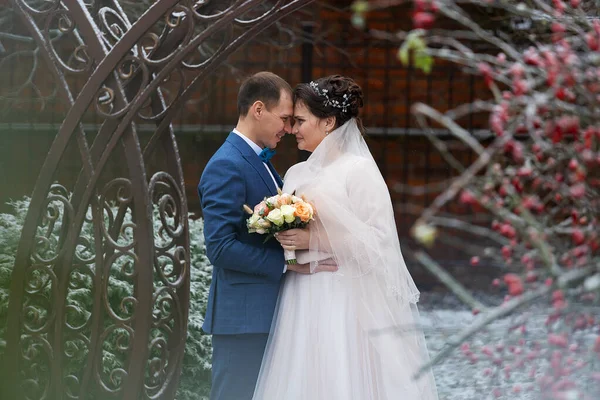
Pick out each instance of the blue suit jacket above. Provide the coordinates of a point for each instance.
(247, 273)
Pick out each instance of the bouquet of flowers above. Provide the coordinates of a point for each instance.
(279, 213)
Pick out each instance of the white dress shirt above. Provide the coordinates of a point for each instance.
(257, 150)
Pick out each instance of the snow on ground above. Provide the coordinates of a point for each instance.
(459, 379)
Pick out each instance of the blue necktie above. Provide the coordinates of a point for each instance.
(266, 154)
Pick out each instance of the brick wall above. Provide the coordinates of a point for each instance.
(389, 88)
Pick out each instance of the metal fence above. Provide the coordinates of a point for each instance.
(95, 230)
(320, 42)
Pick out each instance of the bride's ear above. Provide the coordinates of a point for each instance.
(330, 124)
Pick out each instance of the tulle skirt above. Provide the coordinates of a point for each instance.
(317, 349)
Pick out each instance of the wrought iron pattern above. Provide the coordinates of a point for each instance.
(99, 296)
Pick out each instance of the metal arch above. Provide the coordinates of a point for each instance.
(119, 213)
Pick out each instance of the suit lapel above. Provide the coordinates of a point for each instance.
(251, 157)
(275, 174)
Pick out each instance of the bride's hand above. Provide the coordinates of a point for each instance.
(305, 268)
(294, 239)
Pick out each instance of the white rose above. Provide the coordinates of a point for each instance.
(263, 223)
(288, 213)
(273, 201)
(276, 217)
(296, 199)
(252, 221)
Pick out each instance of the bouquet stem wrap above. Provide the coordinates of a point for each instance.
(290, 257)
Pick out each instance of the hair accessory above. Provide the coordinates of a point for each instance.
(331, 102)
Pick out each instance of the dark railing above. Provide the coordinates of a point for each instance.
(104, 186)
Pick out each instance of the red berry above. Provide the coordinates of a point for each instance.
(433, 5)
(573, 164)
(557, 27)
(465, 348)
(557, 197)
(597, 345)
(515, 289)
(520, 87)
(508, 231)
(531, 277)
(486, 71)
(423, 20)
(525, 171)
(592, 41)
(467, 197)
(557, 340)
(578, 190)
(421, 5)
(506, 251)
(558, 295)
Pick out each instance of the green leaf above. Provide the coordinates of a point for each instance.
(403, 55)
(423, 61)
(360, 6)
(358, 21)
(269, 237)
(416, 44)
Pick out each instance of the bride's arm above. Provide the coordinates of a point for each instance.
(318, 238)
(370, 199)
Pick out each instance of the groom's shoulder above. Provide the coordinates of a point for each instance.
(228, 152)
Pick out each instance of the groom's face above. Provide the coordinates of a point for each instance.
(276, 122)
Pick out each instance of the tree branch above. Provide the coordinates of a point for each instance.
(501, 311)
(491, 316)
(456, 287)
(457, 130)
(470, 228)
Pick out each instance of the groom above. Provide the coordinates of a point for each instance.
(247, 273)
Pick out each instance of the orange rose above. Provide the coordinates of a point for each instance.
(285, 199)
(304, 211)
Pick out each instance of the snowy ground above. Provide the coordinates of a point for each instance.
(459, 379)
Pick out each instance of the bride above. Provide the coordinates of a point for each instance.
(351, 334)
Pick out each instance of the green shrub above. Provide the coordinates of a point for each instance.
(195, 376)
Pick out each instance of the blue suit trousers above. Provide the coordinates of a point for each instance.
(236, 364)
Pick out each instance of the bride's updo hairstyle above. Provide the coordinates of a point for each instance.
(332, 96)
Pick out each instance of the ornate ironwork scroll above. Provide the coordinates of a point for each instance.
(100, 289)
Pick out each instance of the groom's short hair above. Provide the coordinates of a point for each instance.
(264, 86)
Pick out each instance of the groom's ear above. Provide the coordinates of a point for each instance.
(257, 108)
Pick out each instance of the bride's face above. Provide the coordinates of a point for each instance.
(308, 129)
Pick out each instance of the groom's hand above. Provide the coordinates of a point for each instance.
(294, 239)
(305, 268)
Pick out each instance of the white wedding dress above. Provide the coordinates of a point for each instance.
(352, 334)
